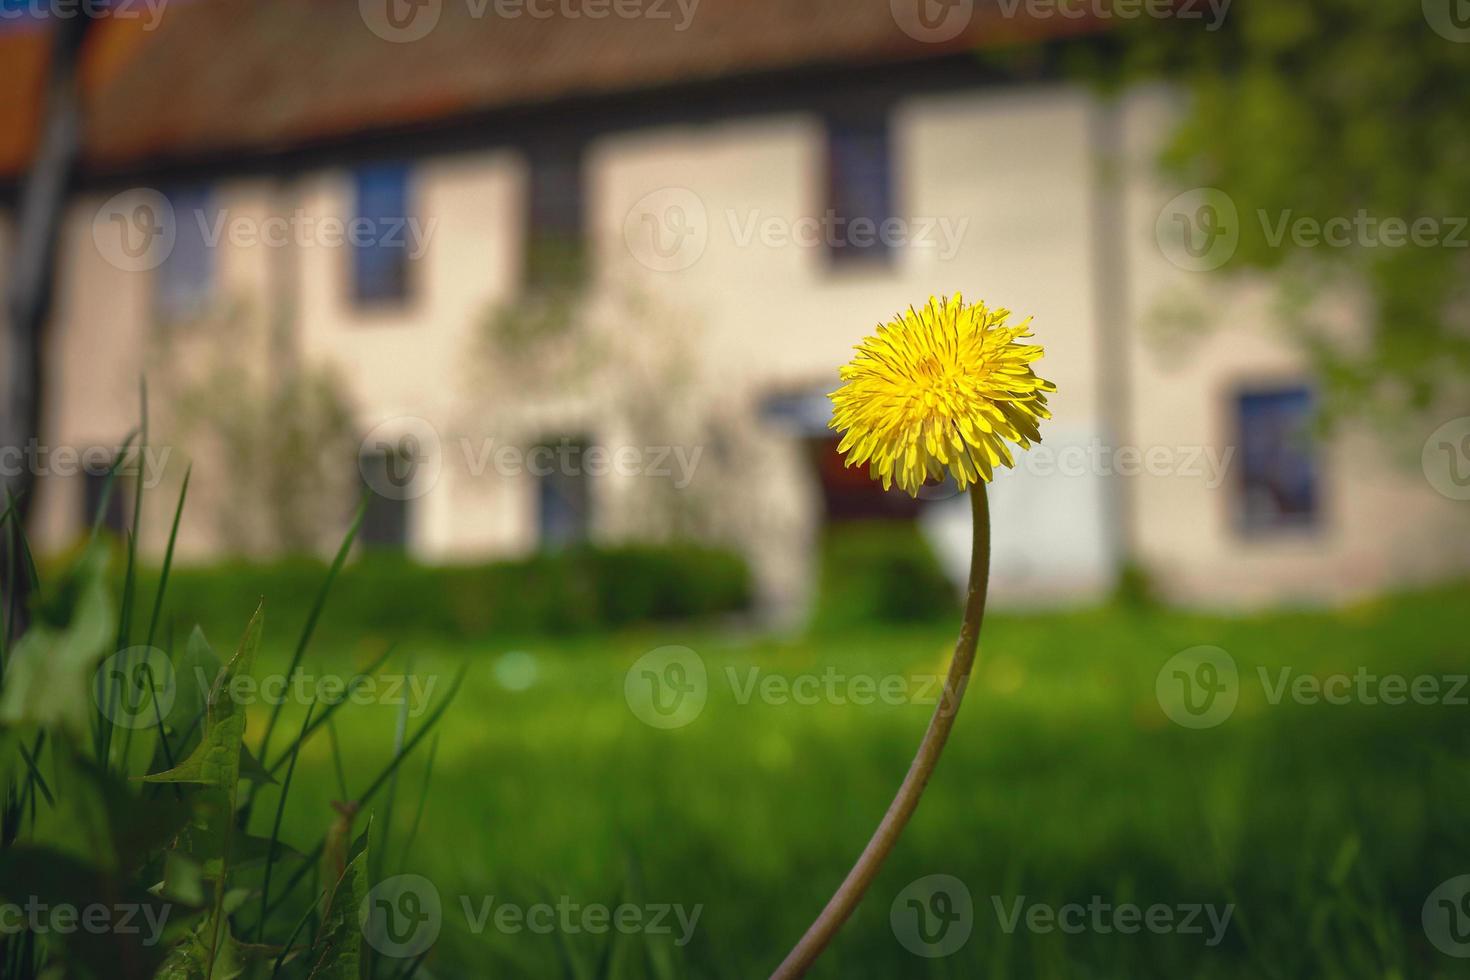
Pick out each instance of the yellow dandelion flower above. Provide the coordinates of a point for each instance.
(940, 389)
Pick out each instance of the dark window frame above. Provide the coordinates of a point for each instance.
(860, 183)
(381, 272)
(387, 520)
(184, 281)
(1279, 488)
(557, 253)
(572, 489)
(118, 515)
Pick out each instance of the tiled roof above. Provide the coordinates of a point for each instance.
(221, 77)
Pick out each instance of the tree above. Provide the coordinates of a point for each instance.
(1338, 130)
(33, 274)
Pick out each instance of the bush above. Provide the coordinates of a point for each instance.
(881, 571)
(568, 592)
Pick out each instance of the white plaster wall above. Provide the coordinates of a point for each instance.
(1383, 523)
(1010, 171)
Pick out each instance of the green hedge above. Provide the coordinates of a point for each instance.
(880, 572)
(569, 592)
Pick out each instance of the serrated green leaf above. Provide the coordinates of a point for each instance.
(196, 668)
(337, 954)
(48, 681)
(215, 764)
(251, 769)
(190, 959)
(183, 879)
(252, 850)
(216, 761)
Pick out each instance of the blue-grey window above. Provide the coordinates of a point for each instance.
(379, 235)
(104, 503)
(555, 234)
(563, 496)
(859, 186)
(186, 275)
(1278, 458)
(387, 468)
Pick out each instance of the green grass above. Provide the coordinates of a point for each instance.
(1325, 826)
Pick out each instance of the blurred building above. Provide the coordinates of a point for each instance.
(585, 270)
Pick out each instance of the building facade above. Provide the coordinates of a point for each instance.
(615, 317)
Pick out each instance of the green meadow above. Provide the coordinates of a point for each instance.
(1299, 836)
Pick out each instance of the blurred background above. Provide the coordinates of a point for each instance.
(537, 304)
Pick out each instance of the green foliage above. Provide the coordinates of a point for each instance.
(1135, 588)
(106, 809)
(337, 954)
(1326, 825)
(393, 596)
(52, 666)
(283, 427)
(880, 572)
(1328, 109)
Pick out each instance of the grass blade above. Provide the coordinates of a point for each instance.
(337, 761)
(382, 777)
(168, 559)
(326, 716)
(400, 728)
(107, 485)
(312, 616)
(270, 853)
(34, 775)
(413, 830)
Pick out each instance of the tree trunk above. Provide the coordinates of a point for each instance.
(33, 279)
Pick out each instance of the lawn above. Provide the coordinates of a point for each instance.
(1321, 828)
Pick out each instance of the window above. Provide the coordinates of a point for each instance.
(113, 510)
(555, 249)
(388, 473)
(1278, 459)
(186, 275)
(859, 187)
(564, 504)
(379, 235)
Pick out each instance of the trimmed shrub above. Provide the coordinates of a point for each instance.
(575, 591)
(880, 572)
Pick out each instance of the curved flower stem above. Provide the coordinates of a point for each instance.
(847, 897)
